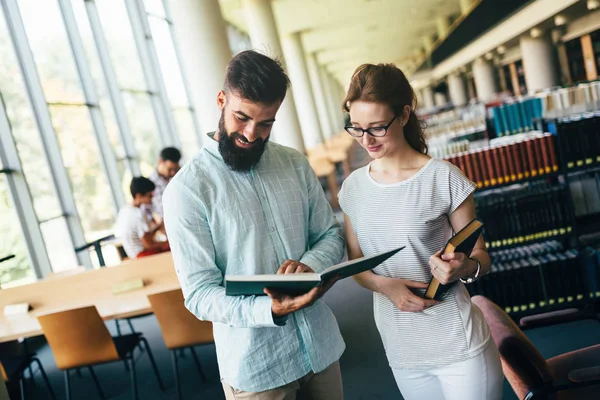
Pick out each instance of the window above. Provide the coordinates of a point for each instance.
(173, 78)
(17, 270)
(70, 116)
(125, 59)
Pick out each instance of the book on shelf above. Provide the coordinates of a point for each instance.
(462, 242)
(506, 162)
(295, 284)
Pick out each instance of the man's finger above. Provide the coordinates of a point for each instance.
(283, 267)
(300, 268)
(291, 268)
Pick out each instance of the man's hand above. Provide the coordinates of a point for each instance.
(399, 293)
(450, 267)
(284, 304)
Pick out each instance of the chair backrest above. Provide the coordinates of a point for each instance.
(180, 328)
(78, 337)
(524, 367)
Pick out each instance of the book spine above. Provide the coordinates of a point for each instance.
(514, 149)
(538, 152)
(547, 165)
(497, 165)
(531, 159)
(476, 169)
(485, 175)
(549, 142)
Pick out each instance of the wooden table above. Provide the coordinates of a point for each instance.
(87, 288)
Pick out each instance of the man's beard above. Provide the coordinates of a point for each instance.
(237, 158)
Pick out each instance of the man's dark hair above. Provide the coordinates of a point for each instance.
(141, 185)
(170, 154)
(256, 77)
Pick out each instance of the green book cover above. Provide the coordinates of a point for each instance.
(237, 285)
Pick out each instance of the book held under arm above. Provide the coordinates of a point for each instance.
(462, 242)
(236, 285)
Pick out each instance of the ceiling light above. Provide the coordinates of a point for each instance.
(593, 4)
(501, 49)
(489, 56)
(560, 20)
(535, 32)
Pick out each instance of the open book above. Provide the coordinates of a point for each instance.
(296, 284)
(462, 242)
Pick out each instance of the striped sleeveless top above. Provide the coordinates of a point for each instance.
(414, 213)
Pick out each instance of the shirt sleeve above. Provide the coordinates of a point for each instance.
(325, 240)
(201, 280)
(141, 226)
(460, 187)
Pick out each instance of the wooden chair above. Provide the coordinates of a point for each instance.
(13, 367)
(180, 328)
(79, 338)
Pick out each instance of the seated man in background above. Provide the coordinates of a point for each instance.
(168, 165)
(135, 225)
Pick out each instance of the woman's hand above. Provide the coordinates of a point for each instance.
(399, 293)
(450, 267)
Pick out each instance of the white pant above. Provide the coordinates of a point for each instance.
(478, 378)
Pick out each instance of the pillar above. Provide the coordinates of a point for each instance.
(264, 37)
(428, 100)
(539, 62)
(202, 37)
(319, 95)
(303, 94)
(485, 83)
(457, 90)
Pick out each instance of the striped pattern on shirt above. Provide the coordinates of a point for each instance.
(415, 213)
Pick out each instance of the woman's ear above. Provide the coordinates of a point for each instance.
(406, 115)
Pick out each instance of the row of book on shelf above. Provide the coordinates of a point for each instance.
(517, 117)
(524, 213)
(579, 139)
(525, 157)
(540, 275)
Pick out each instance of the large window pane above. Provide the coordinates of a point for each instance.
(16, 271)
(24, 129)
(121, 45)
(87, 37)
(167, 59)
(49, 43)
(58, 244)
(81, 159)
(144, 129)
(187, 132)
(155, 7)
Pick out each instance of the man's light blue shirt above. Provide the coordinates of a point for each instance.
(220, 222)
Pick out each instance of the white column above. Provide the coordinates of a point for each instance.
(263, 34)
(457, 90)
(428, 100)
(485, 84)
(539, 62)
(337, 103)
(303, 94)
(330, 99)
(319, 95)
(202, 37)
(440, 99)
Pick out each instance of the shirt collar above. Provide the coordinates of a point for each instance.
(212, 146)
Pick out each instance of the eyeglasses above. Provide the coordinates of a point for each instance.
(376, 131)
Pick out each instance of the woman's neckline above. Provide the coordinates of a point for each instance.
(399, 183)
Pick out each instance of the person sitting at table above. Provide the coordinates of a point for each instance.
(135, 225)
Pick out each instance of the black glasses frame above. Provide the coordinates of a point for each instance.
(368, 130)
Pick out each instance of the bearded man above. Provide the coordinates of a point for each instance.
(246, 206)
